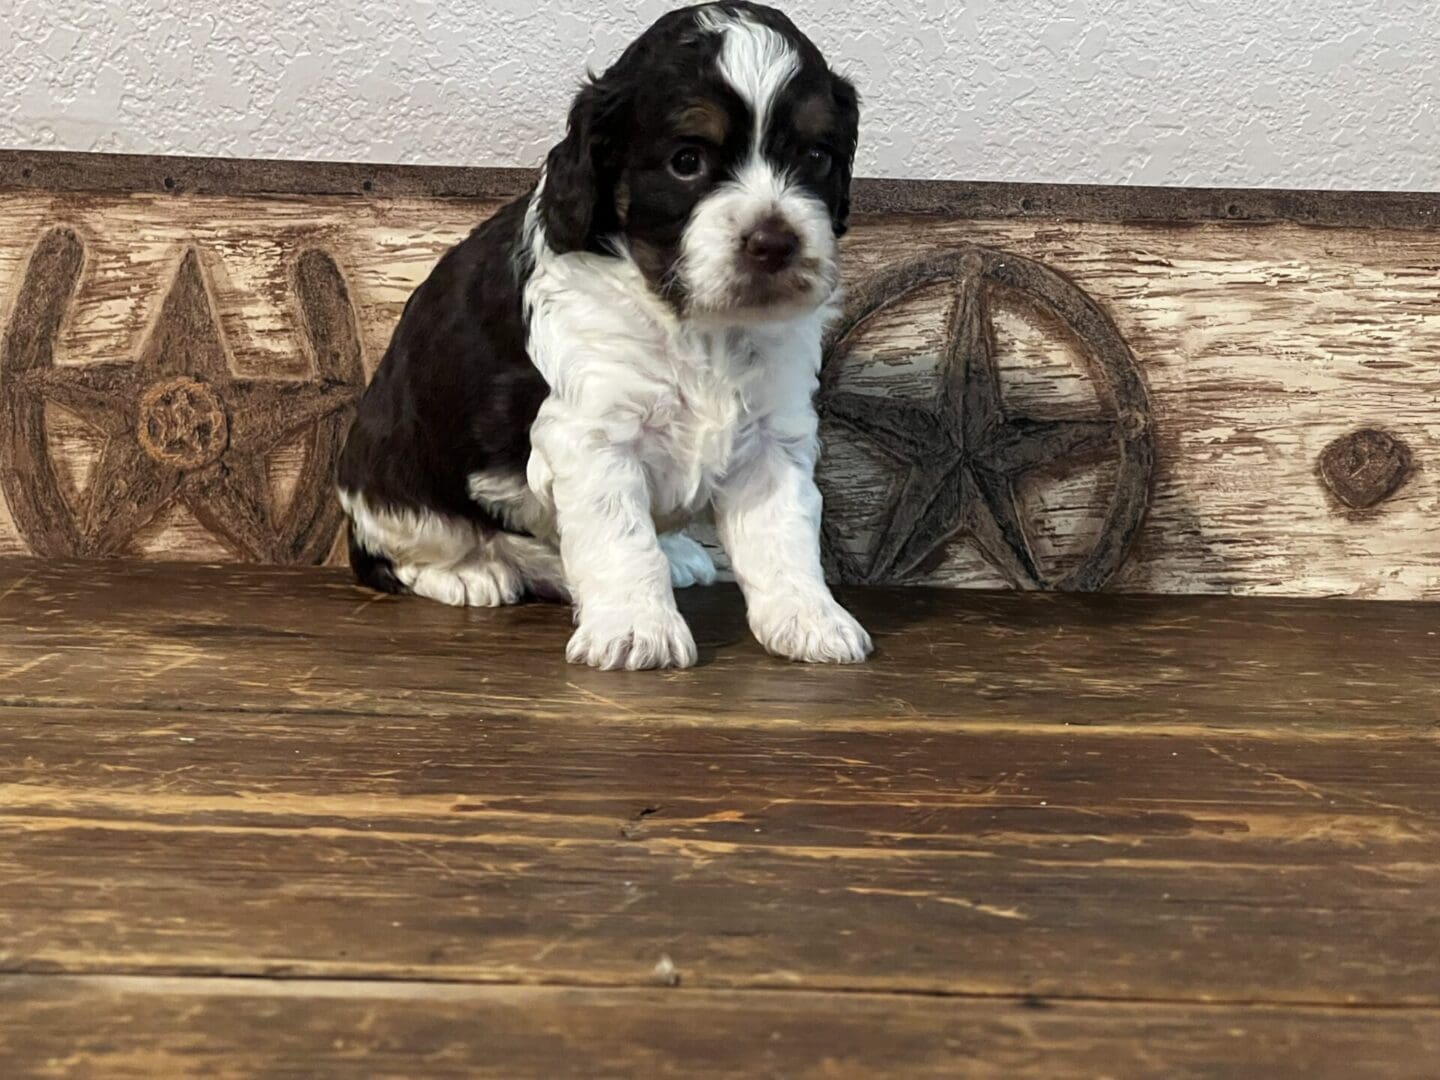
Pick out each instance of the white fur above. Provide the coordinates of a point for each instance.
(652, 417)
(709, 267)
(758, 63)
(755, 60)
(510, 500)
(452, 561)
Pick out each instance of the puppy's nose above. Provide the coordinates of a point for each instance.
(771, 246)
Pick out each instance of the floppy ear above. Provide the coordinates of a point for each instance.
(577, 172)
(847, 101)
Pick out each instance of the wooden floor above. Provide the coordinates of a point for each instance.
(263, 823)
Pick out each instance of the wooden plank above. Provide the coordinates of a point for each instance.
(52, 171)
(169, 636)
(234, 770)
(138, 1028)
(1261, 345)
(494, 848)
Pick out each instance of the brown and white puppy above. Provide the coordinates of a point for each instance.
(635, 342)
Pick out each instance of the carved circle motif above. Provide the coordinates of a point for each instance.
(182, 423)
(963, 453)
(177, 424)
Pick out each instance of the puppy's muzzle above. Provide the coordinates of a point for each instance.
(771, 246)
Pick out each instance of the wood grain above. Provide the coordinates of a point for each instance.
(1260, 344)
(178, 428)
(89, 634)
(258, 822)
(487, 850)
(128, 174)
(140, 1028)
(258, 772)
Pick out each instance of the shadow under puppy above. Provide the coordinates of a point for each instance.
(634, 342)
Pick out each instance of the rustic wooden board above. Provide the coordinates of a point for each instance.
(1260, 345)
(249, 772)
(259, 822)
(92, 634)
(140, 1028)
(490, 850)
(1265, 327)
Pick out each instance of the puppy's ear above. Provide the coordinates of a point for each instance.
(847, 102)
(578, 170)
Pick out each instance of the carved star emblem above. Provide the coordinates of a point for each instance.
(963, 453)
(179, 425)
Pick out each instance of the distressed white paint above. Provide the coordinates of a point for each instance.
(1309, 93)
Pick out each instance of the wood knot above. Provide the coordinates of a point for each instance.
(1365, 467)
(182, 423)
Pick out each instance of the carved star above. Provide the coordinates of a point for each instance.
(180, 426)
(963, 453)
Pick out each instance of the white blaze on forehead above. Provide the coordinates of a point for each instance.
(755, 60)
(758, 62)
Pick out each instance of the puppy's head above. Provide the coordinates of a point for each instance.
(717, 153)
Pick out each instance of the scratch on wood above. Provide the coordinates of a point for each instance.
(601, 699)
(954, 901)
(589, 923)
(29, 665)
(16, 585)
(1314, 791)
(186, 658)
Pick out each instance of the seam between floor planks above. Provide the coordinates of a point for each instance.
(146, 1026)
(1021, 726)
(302, 983)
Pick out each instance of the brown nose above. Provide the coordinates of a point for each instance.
(771, 246)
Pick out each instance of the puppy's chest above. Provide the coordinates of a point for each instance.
(703, 415)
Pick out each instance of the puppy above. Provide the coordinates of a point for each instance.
(634, 342)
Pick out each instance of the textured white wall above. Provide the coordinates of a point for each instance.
(1292, 93)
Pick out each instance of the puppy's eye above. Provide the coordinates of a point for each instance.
(819, 161)
(688, 163)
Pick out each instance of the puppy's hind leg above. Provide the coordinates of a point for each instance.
(690, 564)
(437, 557)
(474, 582)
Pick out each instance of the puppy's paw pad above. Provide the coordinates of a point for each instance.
(814, 632)
(690, 563)
(633, 642)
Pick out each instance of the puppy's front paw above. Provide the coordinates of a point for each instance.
(632, 640)
(815, 630)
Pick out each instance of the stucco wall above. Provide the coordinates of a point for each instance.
(1301, 93)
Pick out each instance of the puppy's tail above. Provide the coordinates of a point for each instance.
(373, 571)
